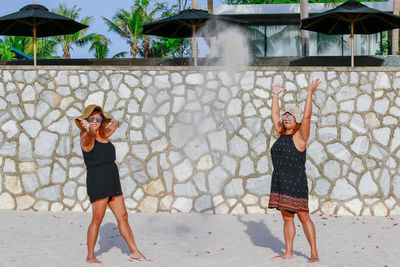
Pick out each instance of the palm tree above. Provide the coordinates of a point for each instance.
(100, 47)
(129, 26)
(66, 42)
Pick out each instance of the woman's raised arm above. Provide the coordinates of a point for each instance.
(305, 122)
(275, 113)
(88, 135)
(112, 127)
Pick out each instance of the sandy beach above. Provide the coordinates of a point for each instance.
(181, 239)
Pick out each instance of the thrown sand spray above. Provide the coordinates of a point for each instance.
(198, 102)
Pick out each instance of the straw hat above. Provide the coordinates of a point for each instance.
(88, 111)
(295, 111)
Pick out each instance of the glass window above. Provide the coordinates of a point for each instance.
(283, 40)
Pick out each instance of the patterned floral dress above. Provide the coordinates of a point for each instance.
(289, 190)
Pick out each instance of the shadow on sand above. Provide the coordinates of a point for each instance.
(110, 237)
(261, 236)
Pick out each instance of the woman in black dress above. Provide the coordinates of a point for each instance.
(289, 190)
(102, 182)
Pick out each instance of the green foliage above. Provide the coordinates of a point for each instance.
(5, 52)
(129, 25)
(385, 46)
(169, 47)
(100, 47)
(66, 42)
(45, 48)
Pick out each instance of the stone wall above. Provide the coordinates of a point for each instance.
(198, 139)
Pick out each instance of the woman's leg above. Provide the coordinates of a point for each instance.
(309, 231)
(117, 206)
(289, 231)
(98, 210)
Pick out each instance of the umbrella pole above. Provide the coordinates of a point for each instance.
(352, 44)
(194, 45)
(34, 44)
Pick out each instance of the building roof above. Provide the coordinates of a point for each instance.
(264, 14)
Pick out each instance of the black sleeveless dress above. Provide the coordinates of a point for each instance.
(289, 189)
(102, 173)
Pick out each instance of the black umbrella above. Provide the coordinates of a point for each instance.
(185, 24)
(351, 18)
(37, 21)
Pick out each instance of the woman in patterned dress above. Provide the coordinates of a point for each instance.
(289, 190)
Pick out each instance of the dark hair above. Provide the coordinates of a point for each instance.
(283, 129)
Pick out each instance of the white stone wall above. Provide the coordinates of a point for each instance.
(198, 139)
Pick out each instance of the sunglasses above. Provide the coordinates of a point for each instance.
(98, 119)
(287, 117)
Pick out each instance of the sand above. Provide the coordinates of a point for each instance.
(59, 239)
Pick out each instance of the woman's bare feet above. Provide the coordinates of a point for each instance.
(93, 260)
(137, 256)
(285, 256)
(314, 258)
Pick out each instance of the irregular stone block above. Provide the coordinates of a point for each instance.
(161, 81)
(234, 188)
(238, 146)
(183, 171)
(41, 206)
(381, 106)
(30, 182)
(259, 186)
(360, 145)
(342, 190)
(250, 199)
(205, 163)
(13, 184)
(339, 151)
(380, 209)
(69, 189)
(382, 81)
(218, 140)
(327, 134)
(382, 135)
(332, 169)
(10, 128)
(246, 167)
(203, 203)
(186, 189)
(234, 107)
(165, 204)
(49, 193)
(154, 187)
(216, 179)
(346, 93)
(7, 202)
(317, 152)
(183, 204)
(24, 202)
(367, 186)
(149, 204)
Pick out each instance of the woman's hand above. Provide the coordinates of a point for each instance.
(314, 84)
(114, 121)
(277, 88)
(85, 124)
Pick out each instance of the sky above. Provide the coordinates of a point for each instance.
(97, 9)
